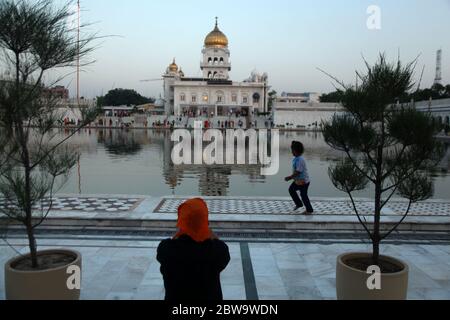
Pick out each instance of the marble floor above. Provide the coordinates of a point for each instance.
(322, 206)
(115, 205)
(126, 269)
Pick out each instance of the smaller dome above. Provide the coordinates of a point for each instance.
(173, 66)
(181, 73)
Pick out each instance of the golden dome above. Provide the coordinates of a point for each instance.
(173, 66)
(216, 38)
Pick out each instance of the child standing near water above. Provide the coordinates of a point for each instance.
(301, 179)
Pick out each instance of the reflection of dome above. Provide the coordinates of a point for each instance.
(173, 66)
(216, 38)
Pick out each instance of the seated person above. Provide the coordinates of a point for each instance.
(192, 261)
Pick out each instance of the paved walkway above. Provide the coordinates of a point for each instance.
(115, 236)
(237, 205)
(127, 269)
(240, 213)
(281, 206)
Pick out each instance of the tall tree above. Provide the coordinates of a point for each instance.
(35, 38)
(124, 97)
(335, 97)
(447, 91)
(387, 145)
(272, 97)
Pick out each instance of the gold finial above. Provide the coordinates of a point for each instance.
(216, 38)
(173, 66)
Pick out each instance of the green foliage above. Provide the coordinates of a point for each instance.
(416, 187)
(347, 178)
(123, 97)
(388, 145)
(34, 38)
(335, 96)
(436, 92)
(272, 96)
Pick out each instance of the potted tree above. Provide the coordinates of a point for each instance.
(392, 147)
(35, 38)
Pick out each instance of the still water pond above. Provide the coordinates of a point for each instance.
(138, 162)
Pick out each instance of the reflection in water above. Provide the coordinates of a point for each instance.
(120, 142)
(213, 180)
(139, 162)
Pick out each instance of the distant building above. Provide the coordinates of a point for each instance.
(300, 115)
(60, 92)
(152, 108)
(214, 93)
(296, 98)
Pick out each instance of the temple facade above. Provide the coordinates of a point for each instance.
(214, 94)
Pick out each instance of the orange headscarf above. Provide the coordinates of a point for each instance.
(193, 220)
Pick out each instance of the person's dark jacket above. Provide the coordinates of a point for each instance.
(191, 270)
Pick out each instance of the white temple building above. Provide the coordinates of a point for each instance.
(214, 94)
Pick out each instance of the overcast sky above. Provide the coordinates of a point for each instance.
(287, 39)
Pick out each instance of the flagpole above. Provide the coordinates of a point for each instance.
(78, 56)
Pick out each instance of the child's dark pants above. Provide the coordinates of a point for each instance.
(294, 188)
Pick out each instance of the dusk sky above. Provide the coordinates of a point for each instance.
(285, 38)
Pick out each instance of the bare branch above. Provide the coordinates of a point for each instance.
(399, 223)
(342, 84)
(359, 216)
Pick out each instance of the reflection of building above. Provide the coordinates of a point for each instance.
(214, 93)
(172, 174)
(214, 180)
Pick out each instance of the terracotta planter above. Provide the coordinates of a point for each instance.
(48, 284)
(351, 283)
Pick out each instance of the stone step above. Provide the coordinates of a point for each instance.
(299, 224)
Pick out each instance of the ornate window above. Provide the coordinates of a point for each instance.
(234, 97)
(194, 98)
(205, 98)
(245, 99)
(182, 97)
(220, 97)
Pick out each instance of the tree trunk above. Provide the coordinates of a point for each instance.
(378, 192)
(32, 244)
(376, 226)
(23, 141)
(376, 252)
(27, 204)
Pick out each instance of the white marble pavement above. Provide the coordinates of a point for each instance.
(124, 269)
(147, 210)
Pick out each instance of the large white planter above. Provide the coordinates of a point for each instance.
(351, 283)
(48, 284)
